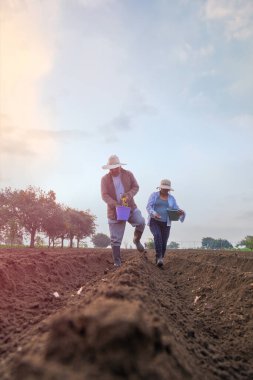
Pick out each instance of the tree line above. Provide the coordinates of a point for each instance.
(210, 243)
(32, 211)
(26, 213)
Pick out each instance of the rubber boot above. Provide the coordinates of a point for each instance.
(116, 256)
(136, 240)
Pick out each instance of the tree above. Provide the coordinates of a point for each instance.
(33, 207)
(86, 226)
(7, 207)
(173, 245)
(100, 240)
(54, 224)
(83, 244)
(210, 243)
(33, 210)
(80, 224)
(207, 243)
(27, 208)
(247, 242)
(71, 224)
(223, 244)
(12, 233)
(39, 242)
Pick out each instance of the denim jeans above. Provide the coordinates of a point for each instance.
(161, 233)
(117, 228)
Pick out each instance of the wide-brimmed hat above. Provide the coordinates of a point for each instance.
(165, 184)
(113, 163)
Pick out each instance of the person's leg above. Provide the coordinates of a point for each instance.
(116, 233)
(137, 221)
(156, 232)
(165, 231)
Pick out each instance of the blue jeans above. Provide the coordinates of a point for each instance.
(117, 228)
(161, 233)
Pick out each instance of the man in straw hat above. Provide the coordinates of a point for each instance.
(116, 185)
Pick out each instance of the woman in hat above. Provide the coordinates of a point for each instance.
(158, 217)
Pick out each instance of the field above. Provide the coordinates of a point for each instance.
(70, 315)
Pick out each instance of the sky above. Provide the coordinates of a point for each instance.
(165, 85)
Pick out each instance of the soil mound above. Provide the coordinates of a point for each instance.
(190, 320)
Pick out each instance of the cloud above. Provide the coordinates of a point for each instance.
(136, 106)
(186, 53)
(26, 58)
(242, 86)
(243, 122)
(60, 134)
(111, 130)
(17, 141)
(94, 4)
(234, 16)
(247, 199)
(200, 100)
(208, 73)
(30, 142)
(247, 216)
(11, 6)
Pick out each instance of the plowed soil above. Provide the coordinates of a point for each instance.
(70, 315)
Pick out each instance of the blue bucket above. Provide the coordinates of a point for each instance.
(123, 212)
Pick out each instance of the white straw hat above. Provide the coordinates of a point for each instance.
(165, 184)
(113, 163)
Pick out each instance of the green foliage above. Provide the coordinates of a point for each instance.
(39, 242)
(100, 240)
(150, 244)
(6, 246)
(29, 207)
(54, 224)
(247, 242)
(7, 210)
(11, 233)
(83, 244)
(79, 224)
(173, 245)
(210, 243)
(33, 210)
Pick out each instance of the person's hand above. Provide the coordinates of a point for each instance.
(181, 212)
(125, 196)
(157, 216)
(124, 200)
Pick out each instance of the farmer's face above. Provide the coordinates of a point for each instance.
(164, 191)
(115, 172)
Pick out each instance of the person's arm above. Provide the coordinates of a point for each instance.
(181, 212)
(134, 188)
(105, 194)
(150, 206)
(182, 216)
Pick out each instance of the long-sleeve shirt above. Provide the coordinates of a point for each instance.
(108, 192)
(172, 205)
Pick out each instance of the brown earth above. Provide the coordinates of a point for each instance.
(191, 320)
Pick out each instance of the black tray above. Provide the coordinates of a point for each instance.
(174, 215)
